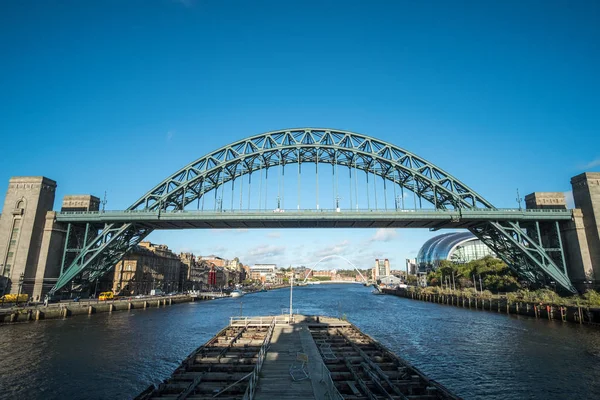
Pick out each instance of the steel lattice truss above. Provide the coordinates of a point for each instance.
(310, 146)
(533, 261)
(321, 146)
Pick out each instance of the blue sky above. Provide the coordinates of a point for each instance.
(116, 95)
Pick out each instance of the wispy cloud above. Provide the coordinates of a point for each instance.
(383, 235)
(267, 250)
(218, 250)
(569, 199)
(275, 234)
(334, 249)
(592, 164)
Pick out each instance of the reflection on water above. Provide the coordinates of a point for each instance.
(477, 354)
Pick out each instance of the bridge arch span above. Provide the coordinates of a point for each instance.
(310, 145)
(89, 253)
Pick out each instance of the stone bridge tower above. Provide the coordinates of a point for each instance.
(22, 225)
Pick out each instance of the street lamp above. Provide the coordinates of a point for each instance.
(21, 279)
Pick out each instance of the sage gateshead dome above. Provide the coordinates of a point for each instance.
(458, 247)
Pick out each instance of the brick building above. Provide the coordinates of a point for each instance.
(148, 266)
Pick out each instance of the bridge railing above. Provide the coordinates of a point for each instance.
(259, 321)
(253, 381)
(320, 210)
(332, 392)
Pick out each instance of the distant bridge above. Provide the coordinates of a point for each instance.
(393, 188)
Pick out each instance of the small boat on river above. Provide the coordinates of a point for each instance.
(237, 293)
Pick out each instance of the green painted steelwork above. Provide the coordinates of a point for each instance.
(313, 218)
(455, 203)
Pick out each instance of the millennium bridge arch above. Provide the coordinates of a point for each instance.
(529, 242)
(335, 256)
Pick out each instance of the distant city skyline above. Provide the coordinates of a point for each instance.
(115, 96)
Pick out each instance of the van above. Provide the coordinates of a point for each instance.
(106, 296)
(13, 298)
(156, 292)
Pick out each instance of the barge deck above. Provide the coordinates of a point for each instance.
(306, 357)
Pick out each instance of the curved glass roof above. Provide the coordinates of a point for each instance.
(439, 247)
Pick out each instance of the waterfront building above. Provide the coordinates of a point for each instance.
(411, 266)
(390, 280)
(149, 266)
(214, 260)
(458, 247)
(381, 268)
(324, 274)
(301, 272)
(263, 272)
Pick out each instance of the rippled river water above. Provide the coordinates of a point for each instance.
(477, 354)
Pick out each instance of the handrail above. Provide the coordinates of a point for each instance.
(320, 210)
(332, 392)
(252, 382)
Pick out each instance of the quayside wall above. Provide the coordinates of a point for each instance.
(576, 314)
(69, 309)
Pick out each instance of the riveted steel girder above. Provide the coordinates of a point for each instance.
(525, 254)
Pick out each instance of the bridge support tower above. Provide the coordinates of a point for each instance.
(572, 233)
(586, 193)
(28, 201)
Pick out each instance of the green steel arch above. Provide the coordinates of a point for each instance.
(98, 251)
(309, 145)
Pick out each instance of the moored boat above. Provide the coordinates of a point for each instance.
(328, 353)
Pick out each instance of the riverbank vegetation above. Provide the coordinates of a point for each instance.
(489, 278)
(488, 273)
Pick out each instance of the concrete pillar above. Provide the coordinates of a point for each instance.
(586, 193)
(90, 310)
(145, 304)
(38, 315)
(577, 253)
(129, 306)
(111, 307)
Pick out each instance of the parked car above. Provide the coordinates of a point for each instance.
(106, 296)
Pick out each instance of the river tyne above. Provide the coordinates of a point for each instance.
(476, 354)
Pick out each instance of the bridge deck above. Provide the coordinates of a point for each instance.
(312, 218)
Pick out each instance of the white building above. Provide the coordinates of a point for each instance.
(263, 272)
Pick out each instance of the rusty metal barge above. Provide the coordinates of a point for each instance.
(295, 357)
